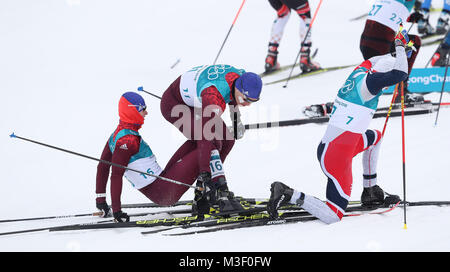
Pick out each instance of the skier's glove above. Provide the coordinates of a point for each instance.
(415, 17)
(240, 128)
(239, 132)
(121, 217)
(104, 209)
(401, 39)
(204, 178)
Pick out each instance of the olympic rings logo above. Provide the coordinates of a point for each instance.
(348, 86)
(215, 71)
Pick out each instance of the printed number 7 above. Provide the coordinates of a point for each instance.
(349, 119)
(375, 9)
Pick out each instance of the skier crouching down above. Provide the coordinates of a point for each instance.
(346, 136)
(194, 101)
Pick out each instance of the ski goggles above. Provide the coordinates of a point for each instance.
(249, 99)
(139, 107)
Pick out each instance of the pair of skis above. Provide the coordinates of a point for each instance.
(254, 215)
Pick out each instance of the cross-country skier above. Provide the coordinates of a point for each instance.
(127, 148)
(283, 9)
(347, 135)
(194, 103)
(442, 25)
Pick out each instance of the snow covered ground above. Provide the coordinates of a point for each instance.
(65, 63)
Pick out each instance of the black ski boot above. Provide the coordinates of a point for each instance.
(318, 110)
(375, 196)
(200, 205)
(442, 23)
(222, 199)
(409, 98)
(280, 194)
(423, 26)
(214, 198)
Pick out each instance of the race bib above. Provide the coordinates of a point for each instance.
(390, 13)
(147, 165)
(188, 86)
(350, 116)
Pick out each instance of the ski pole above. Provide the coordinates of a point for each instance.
(226, 37)
(394, 96)
(91, 214)
(51, 217)
(301, 47)
(403, 152)
(49, 228)
(442, 90)
(141, 89)
(106, 162)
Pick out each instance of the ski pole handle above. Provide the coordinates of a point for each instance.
(141, 89)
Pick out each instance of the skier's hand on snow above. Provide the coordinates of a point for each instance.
(401, 39)
(121, 217)
(104, 208)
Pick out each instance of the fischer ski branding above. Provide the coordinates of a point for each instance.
(276, 221)
(255, 216)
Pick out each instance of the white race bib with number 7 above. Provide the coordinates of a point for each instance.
(349, 116)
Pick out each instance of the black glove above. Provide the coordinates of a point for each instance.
(121, 217)
(204, 177)
(415, 17)
(104, 208)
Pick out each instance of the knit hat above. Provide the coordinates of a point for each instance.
(250, 84)
(130, 104)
